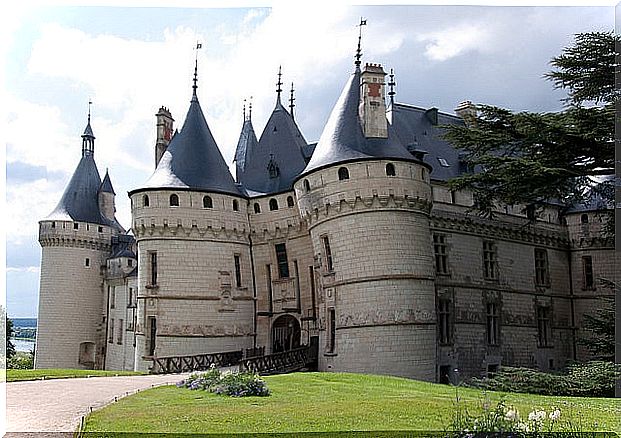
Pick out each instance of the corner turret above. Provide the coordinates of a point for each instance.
(164, 132)
(106, 198)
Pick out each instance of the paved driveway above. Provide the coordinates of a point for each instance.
(58, 405)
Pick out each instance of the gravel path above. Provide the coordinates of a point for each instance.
(57, 405)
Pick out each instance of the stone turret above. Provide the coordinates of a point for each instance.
(367, 203)
(164, 132)
(75, 241)
(191, 227)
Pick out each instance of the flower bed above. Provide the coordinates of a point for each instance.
(234, 384)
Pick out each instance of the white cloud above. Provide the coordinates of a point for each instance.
(453, 41)
(28, 269)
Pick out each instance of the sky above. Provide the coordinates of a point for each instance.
(129, 61)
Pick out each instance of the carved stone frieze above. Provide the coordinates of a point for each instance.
(232, 330)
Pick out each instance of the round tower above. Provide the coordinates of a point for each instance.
(367, 203)
(75, 240)
(191, 227)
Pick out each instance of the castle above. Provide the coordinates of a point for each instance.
(355, 243)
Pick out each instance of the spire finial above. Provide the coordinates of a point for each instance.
(392, 84)
(279, 83)
(359, 50)
(291, 100)
(195, 80)
(245, 110)
(90, 102)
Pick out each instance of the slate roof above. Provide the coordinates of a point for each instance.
(106, 185)
(343, 140)
(122, 246)
(420, 129)
(80, 201)
(193, 159)
(279, 156)
(246, 144)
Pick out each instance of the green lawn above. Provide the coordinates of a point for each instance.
(303, 402)
(18, 375)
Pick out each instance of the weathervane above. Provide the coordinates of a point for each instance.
(194, 87)
(291, 99)
(90, 102)
(359, 50)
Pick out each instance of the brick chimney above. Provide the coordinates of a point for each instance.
(373, 105)
(164, 132)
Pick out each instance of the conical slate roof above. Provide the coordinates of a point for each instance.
(277, 161)
(192, 159)
(88, 131)
(246, 144)
(106, 185)
(342, 138)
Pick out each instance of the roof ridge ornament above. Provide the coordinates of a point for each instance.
(250, 109)
(392, 84)
(279, 83)
(291, 100)
(359, 49)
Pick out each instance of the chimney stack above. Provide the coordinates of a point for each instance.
(164, 132)
(373, 105)
(467, 111)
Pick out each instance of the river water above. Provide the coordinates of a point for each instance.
(21, 345)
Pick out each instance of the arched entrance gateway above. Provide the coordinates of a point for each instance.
(285, 334)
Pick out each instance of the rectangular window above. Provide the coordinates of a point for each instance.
(311, 276)
(131, 320)
(111, 331)
(75, 226)
(153, 267)
(544, 332)
(445, 334)
(131, 298)
(87, 262)
(112, 295)
(542, 277)
(493, 324)
(489, 260)
(587, 272)
(120, 339)
(281, 259)
(441, 254)
(270, 292)
(330, 347)
(328, 251)
(152, 334)
(237, 270)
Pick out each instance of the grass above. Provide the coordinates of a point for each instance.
(19, 375)
(323, 402)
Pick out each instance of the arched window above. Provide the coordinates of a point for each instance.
(343, 173)
(145, 201)
(235, 205)
(390, 169)
(273, 204)
(584, 219)
(207, 202)
(257, 208)
(174, 200)
(290, 202)
(306, 185)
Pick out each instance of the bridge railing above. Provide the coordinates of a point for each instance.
(285, 362)
(196, 362)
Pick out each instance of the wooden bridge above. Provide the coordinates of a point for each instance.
(252, 359)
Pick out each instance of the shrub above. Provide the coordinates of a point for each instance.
(21, 361)
(234, 384)
(592, 379)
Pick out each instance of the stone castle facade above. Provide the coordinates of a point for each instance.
(355, 242)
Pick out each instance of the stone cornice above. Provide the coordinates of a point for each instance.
(524, 233)
(74, 242)
(165, 231)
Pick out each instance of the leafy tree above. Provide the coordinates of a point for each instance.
(10, 348)
(530, 158)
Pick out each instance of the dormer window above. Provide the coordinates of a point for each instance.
(273, 169)
(343, 173)
(273, 204)
(443, 162)
(174, 200)
(207, 202)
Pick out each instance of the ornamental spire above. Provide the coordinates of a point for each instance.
(195, 80)
(279, 83)
(88, 139)
(291, 100)
(392, 84)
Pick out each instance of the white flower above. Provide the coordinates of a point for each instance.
(555, 414)
(537, 416)
(511, 415)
